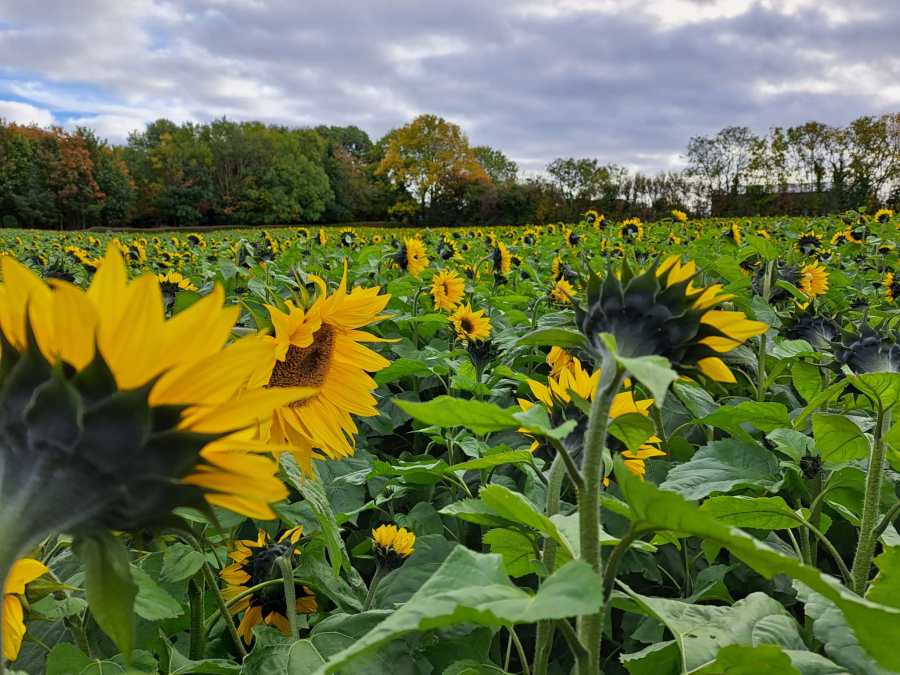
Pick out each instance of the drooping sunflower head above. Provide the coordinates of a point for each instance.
(255, 562)
(470, 325)
(562, 292)
(660, 311)
(411, 256)
(501, 259)
(870, 351)
(392, 545)
(447, 290)
(680, 216)
(809, 243)
(818, 331)
(138, 414)
(322, 346)
(891, 283)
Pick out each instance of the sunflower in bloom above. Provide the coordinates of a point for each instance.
(558, 359)
(632, 229)
(813, 280)
(501, 259)
(562, 292)
(171, 283)
(809, 243)
(680, 216)
(412, 257)
(392, 544)
(137, 414)
(322, 347)
(847, 236)
(322, 236)
(254, 562)
(196, 240)
(660, 311)
(23, 572)
(572, 238)
(883, 215)
(470, 325)
(556, 397)
(347, 236)
(891, 284)
(734, 233)
(593, 218)
(447, 289)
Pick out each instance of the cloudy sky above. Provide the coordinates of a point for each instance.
(627, 81)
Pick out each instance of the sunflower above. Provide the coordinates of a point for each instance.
(322, 236)
(813, 280)
(447, 249)
(501, 259)
(592, 217)
(562, 292)
(172, 282)
(347, 236)
(660, 311)
(870, 351)
(470, 325)
(256, 561)
(412, 257)
(891, 285)
(734, 233)
(673, 239)
(572, 238)
(196, 240)
(846, 236)
(137, 415)
(680, 216)
(809, 243)
(883, 215)
(392, 545)
(764, 233)
(632, 229)
(558, 359)
(321, 347)
(23, 572)
(447, 289)
(556, 397)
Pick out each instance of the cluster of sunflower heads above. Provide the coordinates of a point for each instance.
(661, 312)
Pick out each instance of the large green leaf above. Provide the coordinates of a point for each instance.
(885, 587)
(743, 660)
(552, 337)
(877, 627)
(153, 602)
(838, 439)
(723, 466)
(654, 372)
(472, 588)
(447, 411)
(764, 416)
(109, 588)
(763, 513)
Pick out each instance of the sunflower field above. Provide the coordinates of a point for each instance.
(617, 447)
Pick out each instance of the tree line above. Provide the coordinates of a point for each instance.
(425, 172)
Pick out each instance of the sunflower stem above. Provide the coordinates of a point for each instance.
(546, 629)
(290, 593)
(761, 359)
(223, 609)
(611, 378)
(380, 572)
(198, 634)
(862, 561)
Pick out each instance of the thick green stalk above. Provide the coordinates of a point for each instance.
(862, 561)
(223, 609)
(545, 629)
(198, 634)
(290, 593)
(611, 377)
(380, 572)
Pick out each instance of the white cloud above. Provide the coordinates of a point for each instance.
(25, 113)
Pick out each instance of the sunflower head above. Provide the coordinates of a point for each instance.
(891, 283)
(809, 243)
(591, 217)
(631, 229)
(733, 233)
(680, 216)
(347, 236)
(470, 325)
(572, 238)
(411, 256)
(23, 572)
(392, 544)
(883, 215)
(501, 259)
(447, 290)
(562, 292)
(558, 359)
(870, 350)
(818, 331)
(660, 311)
(255, 562)
(813, 280)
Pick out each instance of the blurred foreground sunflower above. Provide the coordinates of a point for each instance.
(23, 572)
(660, 311)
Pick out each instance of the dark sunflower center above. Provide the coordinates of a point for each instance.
(306, 366)
(467, 324)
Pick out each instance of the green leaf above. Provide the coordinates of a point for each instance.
(744, 660)
(885, 587)
(152, 602)
(65, 659)
(471, 588)
(762, 513)
(807, 379)
(304, 658)
(764, 416)
(838, 439)
(517, 509)
(883, 387)
(876, 626)
(494, 460)
(402, 583)
(792, 443)
(723, 466)
(660, 658)
(109, 587)
(654, 372)
(632, 429)
(552, 337)
(536, 421)
(446, 411)
(401, 368)
(180, 562)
